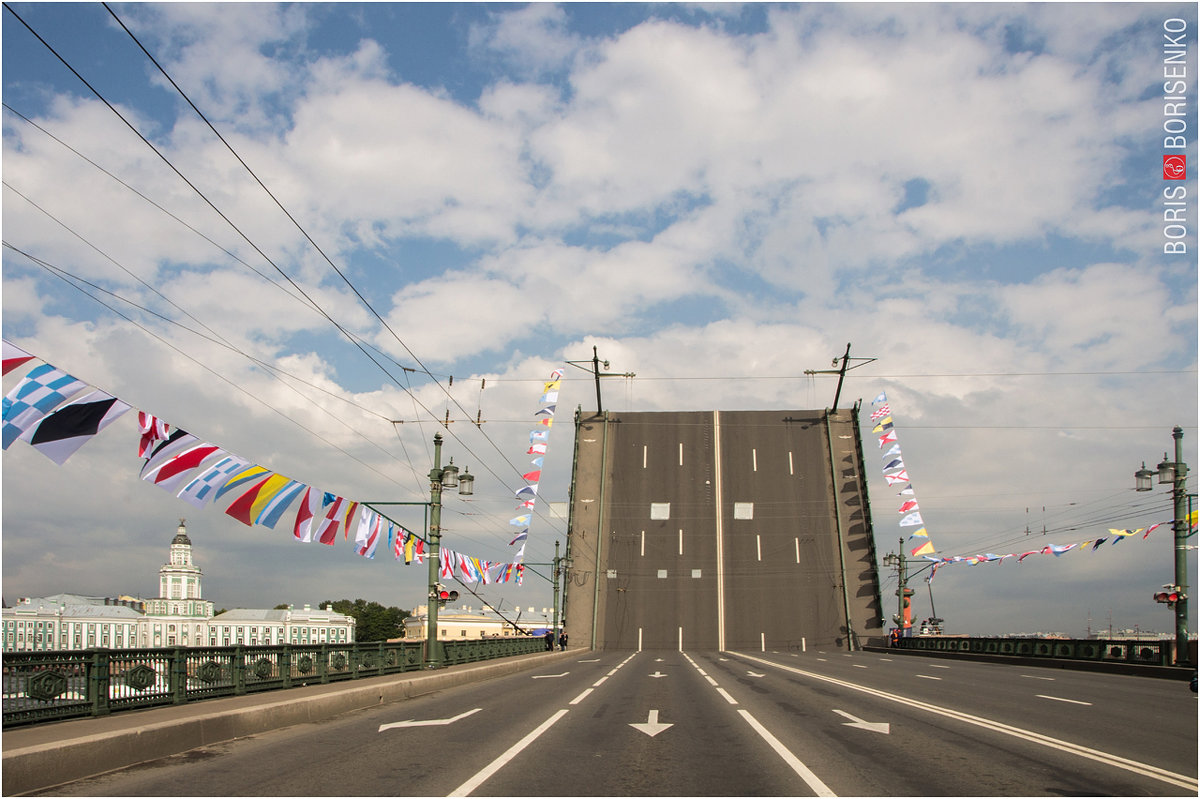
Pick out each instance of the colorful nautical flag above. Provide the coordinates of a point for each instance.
(60, 434)
(14, 356)
(38, 393)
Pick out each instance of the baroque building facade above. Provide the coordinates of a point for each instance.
(179, 616)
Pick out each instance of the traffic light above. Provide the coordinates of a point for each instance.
(444, 595)
(1170, 596)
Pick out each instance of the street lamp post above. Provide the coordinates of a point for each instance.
(439, 478)
(1174, 473)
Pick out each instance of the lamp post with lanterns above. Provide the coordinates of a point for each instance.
(1174, 473)
(439, 478)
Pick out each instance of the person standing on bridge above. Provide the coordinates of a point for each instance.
(562, 641)
(549, 641)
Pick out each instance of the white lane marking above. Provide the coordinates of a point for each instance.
(428, 722)
(499, 763)
(657, 674)
(600, 681)
(725, 694)
(936, 666)
(581, 697)
(885, 660)
(549, 676)
(859, 666)
(928, 677)
(711, 681)
(1035, 677)
(595, 660)
(813, 781)
(1060, 699)
(1145, 769)
(651, 726)
(873, 726)
(755, 674)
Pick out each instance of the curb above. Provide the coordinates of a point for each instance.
(40, 757)
(1111, 667)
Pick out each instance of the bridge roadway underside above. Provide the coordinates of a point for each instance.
(721, 530)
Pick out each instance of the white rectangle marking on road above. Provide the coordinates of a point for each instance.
(791, 467)
(754, 459)
(758, 545)
(711, 681)
(797, 549)
(643, 543)
(725, 694)
(803, 771)
(600, 681)
(499, 763)
(680, 540)
(680, 453)
(644, 448)
(927, 677)
(581, 697)
(1060, 699)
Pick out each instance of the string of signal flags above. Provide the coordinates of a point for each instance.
(48, 410)
(895, 472)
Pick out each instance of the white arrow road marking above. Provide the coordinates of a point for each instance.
(658, 660)
(656, 675)
(873, 726)
(1060, 699)
(652, 726)
(755, 674)
(550, 676)
(1185, 781)
(428, 722)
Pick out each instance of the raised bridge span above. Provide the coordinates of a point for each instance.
(722, 603)
(715, 530)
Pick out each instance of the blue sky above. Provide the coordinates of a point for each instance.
(718, 197)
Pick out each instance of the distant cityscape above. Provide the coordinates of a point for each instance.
(179, 616)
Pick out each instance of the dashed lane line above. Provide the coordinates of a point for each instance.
(794, 763)
(1144, 769)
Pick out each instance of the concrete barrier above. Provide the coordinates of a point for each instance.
(42, 756)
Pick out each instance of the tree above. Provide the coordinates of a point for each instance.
(373, 622)
(284, 606)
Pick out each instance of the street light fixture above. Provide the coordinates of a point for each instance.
(440, 478)
(1174, 473)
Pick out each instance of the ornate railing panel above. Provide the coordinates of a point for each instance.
(46, 686)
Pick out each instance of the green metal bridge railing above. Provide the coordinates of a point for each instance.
(48, 686)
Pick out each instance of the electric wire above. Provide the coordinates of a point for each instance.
(265, 257)
(311, 241)
(54, 271)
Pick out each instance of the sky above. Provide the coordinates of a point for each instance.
(321, 228)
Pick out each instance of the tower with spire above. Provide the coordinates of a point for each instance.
(179, 583)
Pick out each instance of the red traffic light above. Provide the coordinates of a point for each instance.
(1170, 597)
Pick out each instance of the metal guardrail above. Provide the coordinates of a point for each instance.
(47, 686)
(1146, 653)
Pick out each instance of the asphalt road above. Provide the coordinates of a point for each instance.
(670, 723)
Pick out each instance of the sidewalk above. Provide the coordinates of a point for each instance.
(43, 755)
